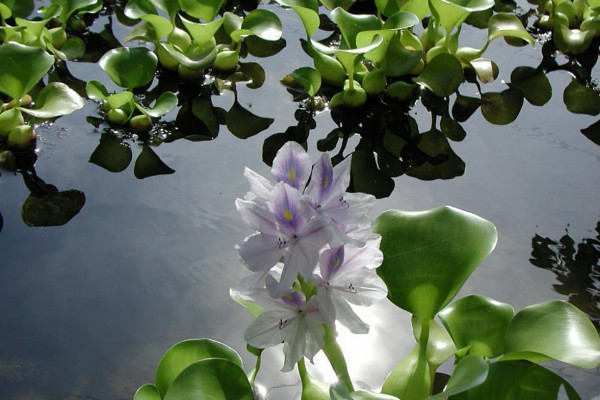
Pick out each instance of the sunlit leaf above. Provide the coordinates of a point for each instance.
(331, 4)
(479, 324)
(220, 379)
(501, 108)
(22, 67)
(470, 372)
(147, 392)
(73, 48)
(534, 85)
(206, 10)
(263, 23)
(351, 25)
(309, 78)
(410, 379)
(504, 24)
(553, 330)
(451, 13)
(439, 344)
(112, 154)
(96, 90)
(572, 41)
(71, 6)
(428, 255)
(165, 103)
(162, 27)
(194, 58)
(138, 8)
(442, 75)
(129, 67)
(310, 19)
(53, 209)
(202, 32)
(486, 69)
(519, 380)
(581, 99)
(54, 100)
(244, 124)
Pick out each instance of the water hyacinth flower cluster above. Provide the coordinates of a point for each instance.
(312, 255)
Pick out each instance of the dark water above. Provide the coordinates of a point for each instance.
(88, 308)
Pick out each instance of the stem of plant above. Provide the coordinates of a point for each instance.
(336, 358)
(254, 372)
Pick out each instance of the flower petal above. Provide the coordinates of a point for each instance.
(292, 165)
(270, 328)
(347, 317)
(260, 252)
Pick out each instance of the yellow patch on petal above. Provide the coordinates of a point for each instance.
(336, 263)
(325, 183)
(288, 215)
(292, 174)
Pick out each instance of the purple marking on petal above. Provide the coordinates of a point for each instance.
(336, 260)
(323, 175)
(286, 209)
(294, 298)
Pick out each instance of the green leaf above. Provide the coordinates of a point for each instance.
(202, 33)
(149, 163)
(165, 103)
(428, 255)
(263, 48)
(96, 90)
(211, 379)
(263, 23)
(368, 395)
(410, 379)
(439, 344)
(161, 26)
(22, 67)
(442, 75)
(486, 69)
(123, 100)
(553, 330)
(534, 85)
(73, 48)
(581, 99)
(54, 100)
(464, 107)
(309, 78)
(502, 108)
(572, 41)
(129, 67)
(71, 6)
(187, 352)
(470, 372)
(351, 25)
(310, 19)
(194, 58)
(451, 13)
(504, 24)
(147, 392)
(244, 124)
(112, 154)
(479, 324)
(138, 8)
(519, 380)
(206, 10)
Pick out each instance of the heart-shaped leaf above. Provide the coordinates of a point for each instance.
(206, 10)
(553, 330)
(442, 75)
(129, 67)
(165, 103)
(263, 23)
(22, 67)
(54, 100)
(470, 372)
(534, 85)
(309, 78)
(428, 255)
(451, 13)
(147, 392)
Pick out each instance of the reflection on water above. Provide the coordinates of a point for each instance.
(576, 266)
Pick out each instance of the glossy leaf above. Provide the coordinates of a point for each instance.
(165, 103)
(129, 67)
(486, 69)
(220, 379)
(428, 255)
(149, 163)
(442, 75)
(96, 90)
(338, 391)
(309, 78)
(184, 354)
(451, 13)
(161, 26)
(112, 154)
(410, 379)
(479, 324)
(534, 85)
(504, 24)
(553, 330)
(351, 25)
(138, 8)
(206, 10)
(71, 6)
(310, 19)
(244, 124)
(263, 23)
(22, 67)
(502, 108)
(581, 99)
(194, 58)
(439, 344)
(73, 48)
(202, 33)
(54, 100)
(572, 41)
(147, 392)
(516, 380)
(470, 372)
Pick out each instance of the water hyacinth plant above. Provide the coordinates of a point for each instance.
(315, 254)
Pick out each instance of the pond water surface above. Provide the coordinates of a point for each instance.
(88, 308)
